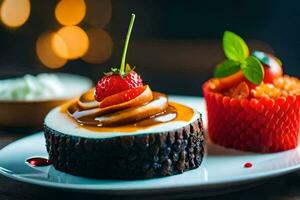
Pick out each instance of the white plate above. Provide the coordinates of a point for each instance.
(221, 169)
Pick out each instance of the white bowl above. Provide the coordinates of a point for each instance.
(31, 113)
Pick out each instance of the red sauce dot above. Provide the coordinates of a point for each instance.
(248, 165)
(38, 161)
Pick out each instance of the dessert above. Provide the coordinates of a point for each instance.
(124, 130)
(251, 105)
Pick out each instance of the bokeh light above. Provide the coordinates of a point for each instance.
(46, 53)
(14, 13)
(71, 42)
(99, 12)
(59, 46)
(70, 12)
(101, 46)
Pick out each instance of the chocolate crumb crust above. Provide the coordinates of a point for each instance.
(128, 157)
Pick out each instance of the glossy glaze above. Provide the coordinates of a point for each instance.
(174, 112)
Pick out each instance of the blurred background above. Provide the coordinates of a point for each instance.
(174, 45)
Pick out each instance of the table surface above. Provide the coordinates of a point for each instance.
(284, 188)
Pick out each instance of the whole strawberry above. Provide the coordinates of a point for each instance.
(115, 83)
(119, 80)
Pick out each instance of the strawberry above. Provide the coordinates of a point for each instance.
(119, 80)
(115, 83)
(122, 97)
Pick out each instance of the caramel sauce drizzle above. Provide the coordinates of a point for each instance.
(174, 112)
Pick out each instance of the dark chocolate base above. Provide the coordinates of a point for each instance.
(128, 157)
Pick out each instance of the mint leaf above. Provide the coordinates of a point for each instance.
(235, 48)
(226, 68)
(253, 70)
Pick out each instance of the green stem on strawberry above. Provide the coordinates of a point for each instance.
(123, 62)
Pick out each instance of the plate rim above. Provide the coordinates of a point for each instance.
(211, 185)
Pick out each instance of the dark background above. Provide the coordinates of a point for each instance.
(175, 44)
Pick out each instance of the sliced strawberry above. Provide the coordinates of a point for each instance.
(122, 97)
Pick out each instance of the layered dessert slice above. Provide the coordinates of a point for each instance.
(123, 130)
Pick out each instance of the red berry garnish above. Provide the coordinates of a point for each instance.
(272, 66)
(272, 72)
(115, 83)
